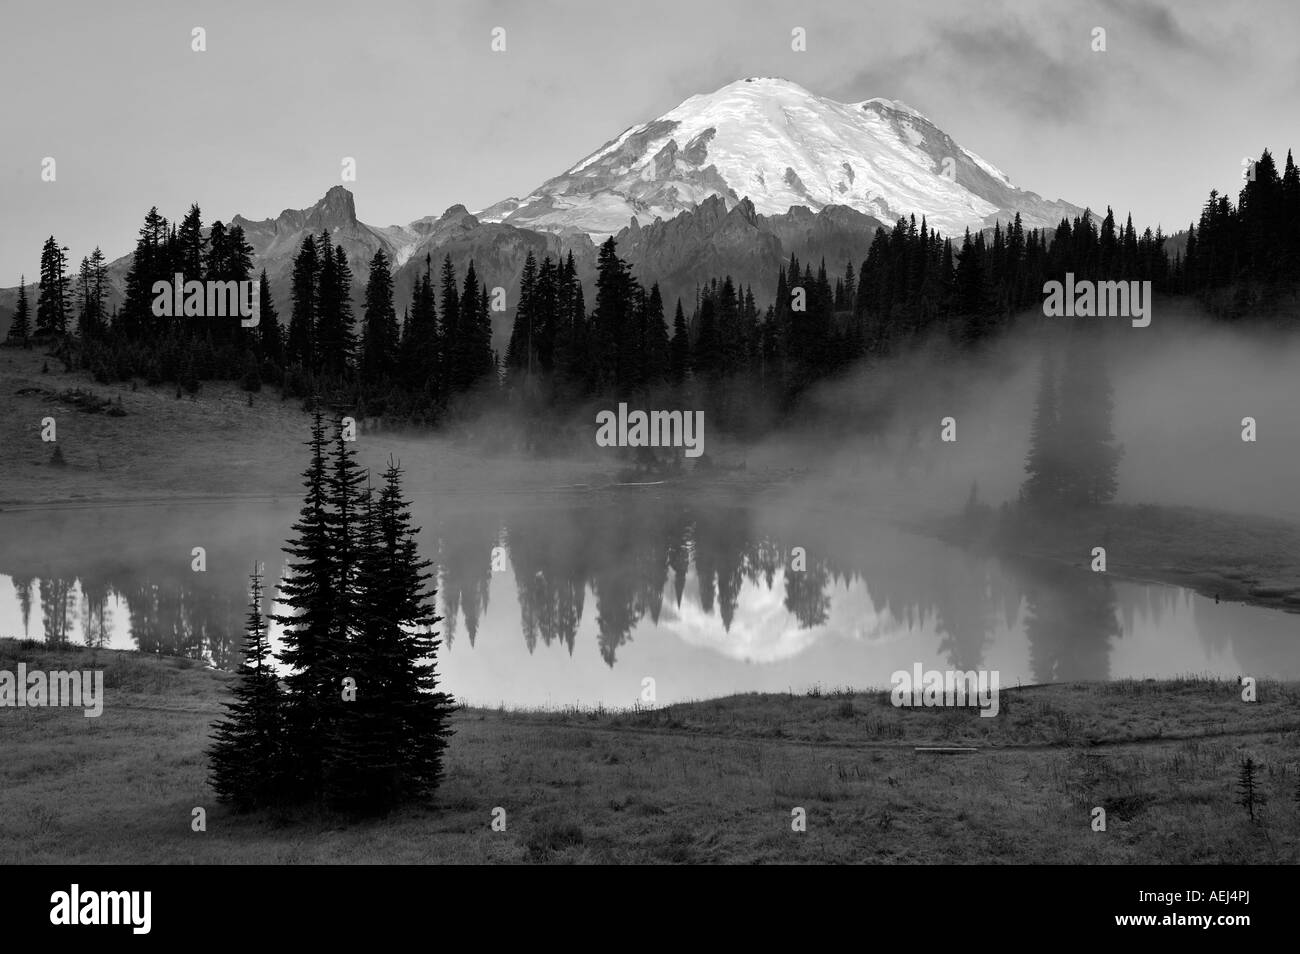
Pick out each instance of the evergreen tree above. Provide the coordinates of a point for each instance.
(473, 358)
(52, 299)
(680, 356)
(453, 345)
(547, 318)
(395, 732)
(334, 320)
(191, 245)
(379, 334)
(346, 319)
(708, 346)
(239, 256)
(270, 344)
(214, 268)
(612, 341)
(572, 344)
(421, 346)
(345, 524)
(91, 291)
(312, 648)
(656, 348)
(98, 295)
(20, 329)
(520, 351)
(150, 263)
(247, 758)
(301, 347)
(1249, 795)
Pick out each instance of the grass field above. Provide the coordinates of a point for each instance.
(711, 782)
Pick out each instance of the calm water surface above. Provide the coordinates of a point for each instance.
(595, 595)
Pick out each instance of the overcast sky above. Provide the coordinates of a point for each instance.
(260, 121)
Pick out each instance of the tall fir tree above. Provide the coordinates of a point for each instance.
(394, 733)
(680, 356)
(247, 758)
(191, 245)
(312, 649)
(421, 345)
(656, 347)
(452, 334)
(520, 351)
(20, 329)
(270, 343)
(91, 293)
(300, 348)
(150, 263)
(379, 344)
(345, 523)
(52, 299)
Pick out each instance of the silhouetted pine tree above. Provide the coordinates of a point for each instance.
(52, 300)
(312, 647)
(334, 342)
(572, 341)
(680, 354)
(655, 348)
(394, 734)
(20, 329)
(422, 346)
(300, 348)
(474, 360)
(707, 351)
(92, 320)
(246, 760)
(1249, 795)
(191, 245)
(346, 316)
(520, 351)
(379, 335)
(151, 262)
(347, 522)
(547, 319)
(612, 340)
(269, 342)
(453, 345)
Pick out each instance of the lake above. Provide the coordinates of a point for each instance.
(592, 594)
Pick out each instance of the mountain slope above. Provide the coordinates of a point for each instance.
(777, 144)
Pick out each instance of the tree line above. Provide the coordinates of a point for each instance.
(720, 351)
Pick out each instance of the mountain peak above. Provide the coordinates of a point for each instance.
(337, 208)
(774, 142)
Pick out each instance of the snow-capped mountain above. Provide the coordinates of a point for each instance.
(780, 146)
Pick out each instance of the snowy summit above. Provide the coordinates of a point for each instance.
(781, 146)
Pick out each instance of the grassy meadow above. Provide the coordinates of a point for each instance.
(705, 782)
